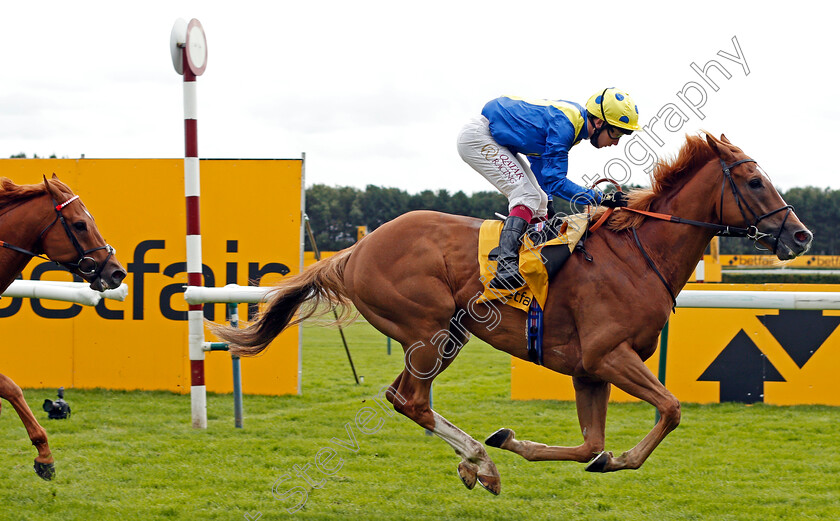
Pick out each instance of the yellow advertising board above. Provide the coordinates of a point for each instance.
(251, 230)
(711, 270)
(771, 261)
(309, 257)
(780, 357)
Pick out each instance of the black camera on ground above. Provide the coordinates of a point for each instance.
(59, 409)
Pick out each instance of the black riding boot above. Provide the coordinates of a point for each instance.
(507, 270)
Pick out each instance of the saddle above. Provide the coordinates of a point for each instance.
(546, 246)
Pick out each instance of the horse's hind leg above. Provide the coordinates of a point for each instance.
(412, 302)
(592, 398)
(410, 396)
(44, 465)
(468, 470)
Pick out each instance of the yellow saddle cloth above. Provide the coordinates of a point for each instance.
(538, 260)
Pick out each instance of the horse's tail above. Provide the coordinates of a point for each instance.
(316, 291)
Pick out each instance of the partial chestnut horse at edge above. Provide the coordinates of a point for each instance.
(413, 276)
(47, 218)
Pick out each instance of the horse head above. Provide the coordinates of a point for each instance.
(749, 199)
(73, 240)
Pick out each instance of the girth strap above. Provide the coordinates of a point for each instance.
(534, 333)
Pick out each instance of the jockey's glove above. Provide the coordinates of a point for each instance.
(614, 200)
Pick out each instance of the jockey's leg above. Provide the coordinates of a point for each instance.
(543, 210)
(511, 176)
(505, 170)
(507, 265)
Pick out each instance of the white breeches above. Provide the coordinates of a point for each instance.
(509, 173)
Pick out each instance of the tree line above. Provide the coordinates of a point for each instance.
(336, 212)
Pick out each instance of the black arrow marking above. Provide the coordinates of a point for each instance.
(741, 368)
(800, 332)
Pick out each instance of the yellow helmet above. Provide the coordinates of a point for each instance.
(616, 107)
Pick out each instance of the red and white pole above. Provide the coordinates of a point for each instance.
(192, 191)
(190, 59)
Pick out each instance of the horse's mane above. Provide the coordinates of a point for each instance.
(667, 174)
(11, 193)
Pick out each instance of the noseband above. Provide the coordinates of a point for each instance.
(85, 265)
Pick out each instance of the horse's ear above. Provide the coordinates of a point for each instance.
(722, 138)
(712, 143)
(56, 177)
(51, 189)
(719, 147)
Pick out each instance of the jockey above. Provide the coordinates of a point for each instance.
(544, 131)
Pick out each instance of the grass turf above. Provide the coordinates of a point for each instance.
(134, 455)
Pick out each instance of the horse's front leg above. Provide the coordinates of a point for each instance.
(44, 465)
(623, 367)
(591, 397)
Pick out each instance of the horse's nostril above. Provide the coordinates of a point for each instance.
(118, 276)
(802, 236)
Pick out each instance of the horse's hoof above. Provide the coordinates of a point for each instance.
(492, 484)
(498, 438)
(599, 462)
(467, 475)
(45, 471)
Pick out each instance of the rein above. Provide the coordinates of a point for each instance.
(85, 265)
(751, 232)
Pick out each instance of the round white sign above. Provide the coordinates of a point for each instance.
(196, 47)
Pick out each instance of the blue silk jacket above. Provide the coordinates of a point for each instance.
(545, 131)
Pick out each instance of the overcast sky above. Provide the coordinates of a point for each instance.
(376, 92)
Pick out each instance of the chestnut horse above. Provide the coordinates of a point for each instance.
(416, 279)
(47, 218)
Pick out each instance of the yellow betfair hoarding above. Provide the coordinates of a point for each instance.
(711, 270)
(309, 257)
(251, 230)
(771, 261)
(781, 357)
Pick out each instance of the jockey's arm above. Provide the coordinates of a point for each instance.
(552, 172)
(560, 138)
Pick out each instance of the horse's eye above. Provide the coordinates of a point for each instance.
(755, 183)
(80, 226)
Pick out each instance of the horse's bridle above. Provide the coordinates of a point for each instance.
(86, 265)
(751, 231)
